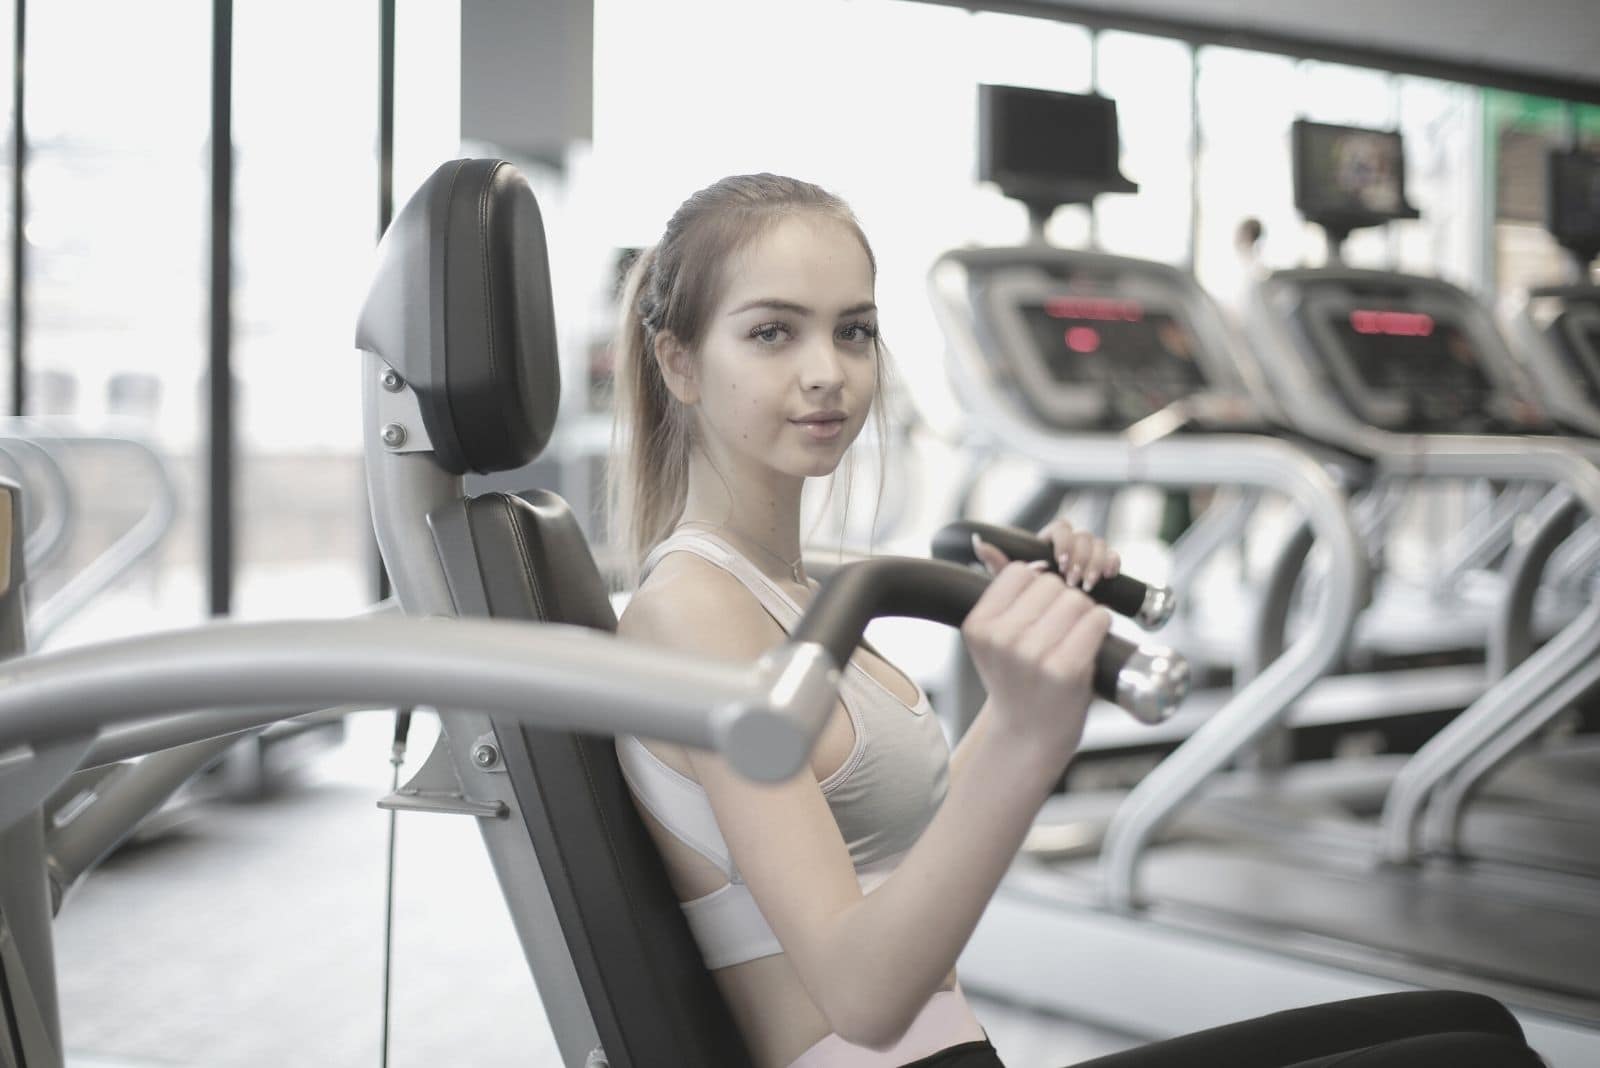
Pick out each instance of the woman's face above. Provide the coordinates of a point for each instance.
(787, 367)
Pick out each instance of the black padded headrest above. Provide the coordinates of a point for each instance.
(460, 306)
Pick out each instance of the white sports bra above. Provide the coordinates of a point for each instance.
(882, 796)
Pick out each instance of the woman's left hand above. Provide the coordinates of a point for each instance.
(1082, 558)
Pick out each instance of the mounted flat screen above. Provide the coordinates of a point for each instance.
(1041, 146)
(1349, 174)
(1572, 213)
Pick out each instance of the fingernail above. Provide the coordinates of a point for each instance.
(1075, 578)
(1040, 566)
(1088, 583)
(1061, 563)
(976, 542)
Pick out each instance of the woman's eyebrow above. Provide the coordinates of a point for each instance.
(800, 309)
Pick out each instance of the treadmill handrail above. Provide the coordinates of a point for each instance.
(125, 553)
(50, 535)
(1228, 459)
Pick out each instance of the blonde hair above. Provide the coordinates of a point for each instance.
(673, 287)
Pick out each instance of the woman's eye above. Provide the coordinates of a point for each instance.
(769, 333)
(859, 332)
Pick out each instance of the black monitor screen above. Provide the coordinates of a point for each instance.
(1143, 358)
(1035, 136)
(1574, 207)
(1411, 352)
(1346, 171)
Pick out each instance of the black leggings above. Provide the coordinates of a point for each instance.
(1422, 1029)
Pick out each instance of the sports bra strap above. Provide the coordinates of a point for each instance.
(718, 552)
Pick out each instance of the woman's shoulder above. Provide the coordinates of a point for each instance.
(690, 603)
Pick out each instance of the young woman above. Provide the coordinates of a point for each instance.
(831, 908)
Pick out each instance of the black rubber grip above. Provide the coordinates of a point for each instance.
(1123, 595)
(921, 589)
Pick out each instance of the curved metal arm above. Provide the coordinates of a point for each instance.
(1511, 633)
(764, 717)
(1441, 823)
(1523, 685)
(1241, 460)
(1222, 524)
(122, 555)
(55, 502)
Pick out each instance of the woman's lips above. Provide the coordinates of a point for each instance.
(821, 428)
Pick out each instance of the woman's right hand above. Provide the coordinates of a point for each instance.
(1033, 640)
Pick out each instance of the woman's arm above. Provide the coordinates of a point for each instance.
(870, 963)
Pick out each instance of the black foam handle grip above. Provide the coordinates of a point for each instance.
(1120, 593)
(922, 589)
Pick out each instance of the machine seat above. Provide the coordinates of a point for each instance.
(653, 1001)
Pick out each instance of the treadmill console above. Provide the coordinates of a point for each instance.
(1098, 349)
(1409, 355)
(1572, 202)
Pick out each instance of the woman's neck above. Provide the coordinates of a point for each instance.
(759, 514)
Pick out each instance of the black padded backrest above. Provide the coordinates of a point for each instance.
(654, 1004)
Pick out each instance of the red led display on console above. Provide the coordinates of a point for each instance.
(1083, 339)
(1392, 323)
(1100, 309)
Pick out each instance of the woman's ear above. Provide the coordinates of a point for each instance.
(677, 368)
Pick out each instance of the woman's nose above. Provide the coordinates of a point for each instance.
(821, 367)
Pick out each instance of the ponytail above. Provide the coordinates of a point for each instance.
(651, 435)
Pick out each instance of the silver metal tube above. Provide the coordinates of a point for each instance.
(124, 742)
(1441, 823)
(1574, 563)
(126, 800)
(1485, 536)
(1221, 525)
(54, 504)
(1527, 684)
(29, 954)
(120, 556)
(116, 744)
(1511, 631)
(1269, 622)
(546, 674)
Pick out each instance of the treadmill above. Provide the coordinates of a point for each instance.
(1556, 335)
(1218, 927)
(1412, 368)
(1098, 346)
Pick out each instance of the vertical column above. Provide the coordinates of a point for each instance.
(1192, 253)
(1094, 87)
(220, 422)
(19, 245)
(386, 13)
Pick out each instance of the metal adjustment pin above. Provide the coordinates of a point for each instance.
(394, 435)
(486, 756)
(391, 380)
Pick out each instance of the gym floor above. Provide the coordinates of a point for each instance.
(237, 935)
